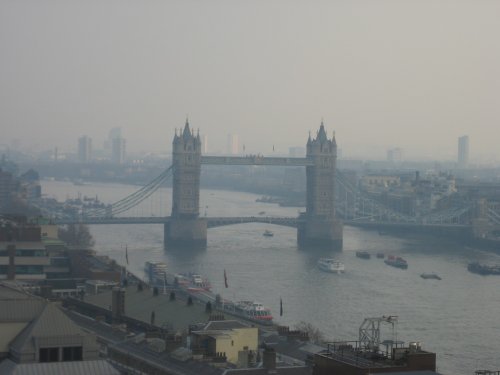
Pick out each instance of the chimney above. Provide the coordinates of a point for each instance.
(118, 303)
(269, 360)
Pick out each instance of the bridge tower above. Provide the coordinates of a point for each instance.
(319, 226)
(186, 228)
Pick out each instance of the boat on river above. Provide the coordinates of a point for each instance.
(331, 265)
(250, 310)
(430, 276)
(268, 233)
(484, 269)
(363, 254)
(397, 262)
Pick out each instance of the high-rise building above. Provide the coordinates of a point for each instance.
(204, 144)
(463, 151)
(118, 150)
(395, 155)
(113, 134)
(84, 149)
(233, 146)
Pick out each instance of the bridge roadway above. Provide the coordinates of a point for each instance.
(256, 160)
(213, 222)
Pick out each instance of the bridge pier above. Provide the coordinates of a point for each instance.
(185, 233)
(317, 232)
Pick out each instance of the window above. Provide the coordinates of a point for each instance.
(30, 253)
(29, 270)
(49, 355)
(72, 353)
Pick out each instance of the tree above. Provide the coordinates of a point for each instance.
(315, 335)
(76, 235)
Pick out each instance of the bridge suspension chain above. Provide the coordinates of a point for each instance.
(133, 199)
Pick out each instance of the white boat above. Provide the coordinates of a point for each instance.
(331, 265)
(156, 271)
(250, 310)
(268, 233)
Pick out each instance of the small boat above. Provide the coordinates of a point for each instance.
(268, 233)
(430, 276)
(380, 255)
(156, 271)
(483, 269)
(192, 282)
(397, 262)
(363, 254)
(331, 265)
(250, 310)
(262, 213)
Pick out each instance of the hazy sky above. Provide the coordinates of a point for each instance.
(413, 74)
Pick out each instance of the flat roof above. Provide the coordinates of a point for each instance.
(139, 305)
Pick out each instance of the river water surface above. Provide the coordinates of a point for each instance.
(457, 317)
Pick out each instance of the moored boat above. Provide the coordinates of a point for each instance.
(430, 276)
(331, 265)
(483, 269)
(250, 310)
(380, 255)
(363, 254)
(396, 262)
(192, 282)
(156, 271)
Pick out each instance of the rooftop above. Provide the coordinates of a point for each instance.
(222, 325)
(97, 367)
(139, 305)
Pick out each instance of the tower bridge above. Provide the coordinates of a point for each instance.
(318, 226)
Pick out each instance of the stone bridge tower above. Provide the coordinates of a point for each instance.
(185, 228)
(319, 226)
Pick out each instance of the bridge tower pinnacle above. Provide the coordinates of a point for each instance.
(185, 227)
(319, 225)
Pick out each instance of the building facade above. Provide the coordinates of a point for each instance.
(84, 149)
(463, 151)
(118, 146)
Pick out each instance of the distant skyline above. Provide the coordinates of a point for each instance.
(384, 74)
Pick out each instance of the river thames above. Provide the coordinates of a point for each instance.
(457, 317)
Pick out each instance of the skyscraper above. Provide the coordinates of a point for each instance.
(463, 151)
(233, 146)
(113, 134)
(395, 155)
(118, 150)
(204, 144)
(84, 149)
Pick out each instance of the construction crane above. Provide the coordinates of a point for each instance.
(369, 331)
